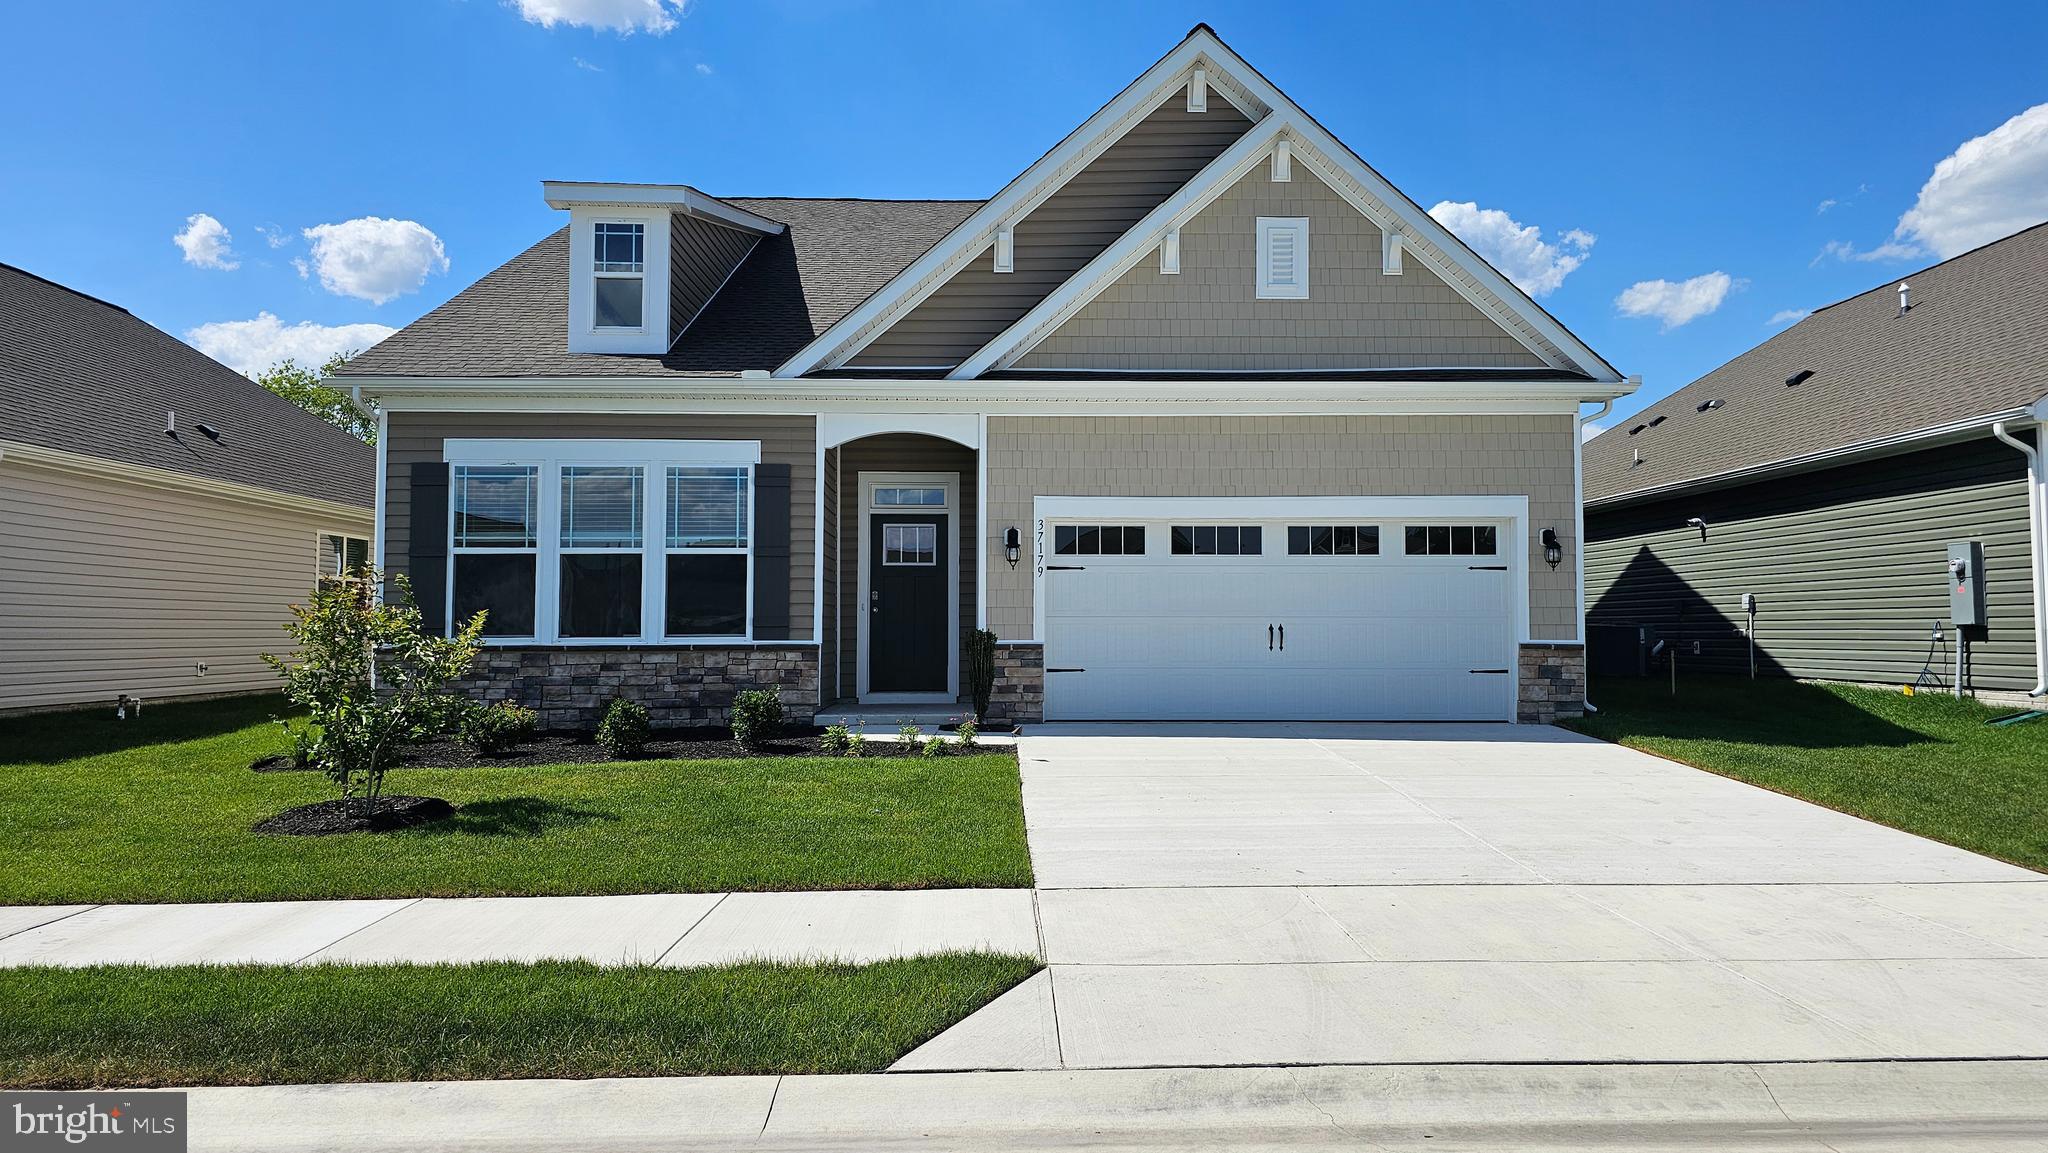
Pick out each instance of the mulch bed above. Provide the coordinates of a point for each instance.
(356, 815)
(703, 744)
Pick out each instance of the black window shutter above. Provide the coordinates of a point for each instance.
(427, 554)
(771, 552)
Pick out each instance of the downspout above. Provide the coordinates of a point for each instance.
(1579, 534)
(2037, 538)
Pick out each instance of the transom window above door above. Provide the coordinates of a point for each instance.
(1450, 539)
(1333, 540)
(1218, 540)
(910, 544)
(1099, 539)
(908, 496)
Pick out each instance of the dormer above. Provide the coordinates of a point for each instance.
(644, 260)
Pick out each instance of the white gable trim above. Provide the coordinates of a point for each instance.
(909, 288)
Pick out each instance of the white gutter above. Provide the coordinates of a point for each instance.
(2037, 538)
(1579, 527)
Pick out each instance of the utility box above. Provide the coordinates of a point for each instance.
(1966, 583)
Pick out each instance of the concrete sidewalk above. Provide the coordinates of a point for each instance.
(675, 929)
(1816, 1108)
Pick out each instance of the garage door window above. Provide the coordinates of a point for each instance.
(1218, 540)
(1450, 540)
(1333, 540)
(1099, 539)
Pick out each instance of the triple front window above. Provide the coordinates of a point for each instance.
(587, 549)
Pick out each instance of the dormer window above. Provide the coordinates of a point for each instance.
(619, 264)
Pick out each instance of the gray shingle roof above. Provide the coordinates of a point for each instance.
(84, 376)
(833, 255)
(1975, 343)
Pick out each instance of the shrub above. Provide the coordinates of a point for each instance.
(491, 729)
(623, 732)
(908, 737)
(981, 669)
(967, 733)
(756, 716)
(370, 677)
(934, 747)
(836, 741)
(857, 744)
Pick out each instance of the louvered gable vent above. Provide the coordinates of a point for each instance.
(1283, 258)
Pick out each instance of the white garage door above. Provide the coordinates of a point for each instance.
(1279, 620)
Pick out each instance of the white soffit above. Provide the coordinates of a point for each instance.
(568, 194)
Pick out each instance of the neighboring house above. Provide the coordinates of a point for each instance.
(158, 511)
(1199, 415)
(1831, 467)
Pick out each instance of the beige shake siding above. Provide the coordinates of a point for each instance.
(1207, 317)
(791, 440)
(1532, 456)
(112, 586)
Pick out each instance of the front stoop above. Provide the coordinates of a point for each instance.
(1552, 683)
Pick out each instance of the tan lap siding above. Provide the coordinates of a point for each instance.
(791, 440)
(1528, 456)
(108, 587)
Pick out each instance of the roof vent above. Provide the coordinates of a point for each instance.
(1798, 378)
(1709, 405)
(1905, 298)
(1638, 460)
(1637, 429)
(1655, 421)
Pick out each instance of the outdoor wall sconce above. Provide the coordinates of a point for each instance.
(1013, 545)
(1695, 522)
(1552, 551)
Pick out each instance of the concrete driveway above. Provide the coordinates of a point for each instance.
(1324, 894)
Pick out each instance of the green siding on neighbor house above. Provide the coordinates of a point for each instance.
(1847, 565)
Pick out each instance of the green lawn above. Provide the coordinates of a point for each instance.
(1927, 764)
(267, 1024)
(159, 809)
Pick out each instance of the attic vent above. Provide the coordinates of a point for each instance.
(1637, 429)
(1283, 258)
(1905, 298)
(1658, 420)
(1798, 378)
(1709, 405)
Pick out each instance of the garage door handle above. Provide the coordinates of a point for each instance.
(1283, 638)
(1501, 671)
(1269, 638)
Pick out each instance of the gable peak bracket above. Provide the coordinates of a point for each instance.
(1198, 90)
(1169, 252)
(1283, 161)
(1006, 249)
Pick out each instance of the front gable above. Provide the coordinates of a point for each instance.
(1085, 215)
(1208, 316)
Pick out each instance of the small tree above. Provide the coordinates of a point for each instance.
(309, 388)
(370, 677)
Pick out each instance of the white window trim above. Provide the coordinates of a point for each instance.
(584, 333)
(654, 458)
(1267, 290)
(868, 482)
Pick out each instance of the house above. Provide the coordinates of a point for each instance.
(1199, 415)
(1827, 472)
(159, 512)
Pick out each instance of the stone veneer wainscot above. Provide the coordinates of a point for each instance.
(1553, 683)
(680, 685)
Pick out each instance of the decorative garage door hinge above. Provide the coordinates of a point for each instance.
(1489, 670)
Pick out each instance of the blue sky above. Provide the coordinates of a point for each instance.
(1653, 145)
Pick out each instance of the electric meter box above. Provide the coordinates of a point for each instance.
(1966, 583)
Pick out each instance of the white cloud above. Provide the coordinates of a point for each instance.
(206, 243)
(1843, 250)
(373, 259)
(1518, 250)
(1823, 206)
(622, 16)
(250, 346)
(1992, 186)
(586, 65)
(273, 235)
(1677, 303)
(1789, 316)
(703, 69)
